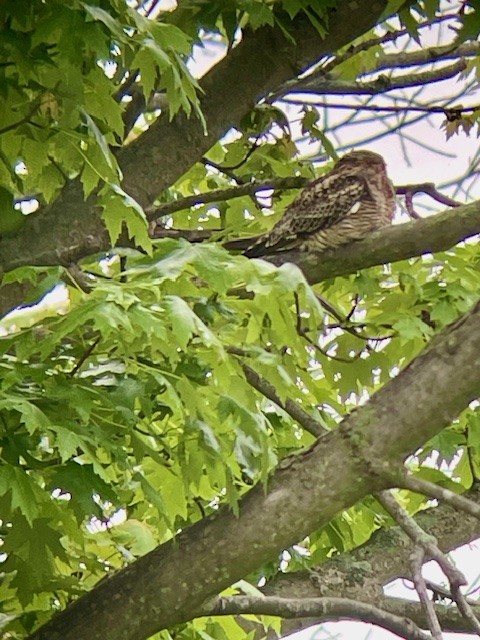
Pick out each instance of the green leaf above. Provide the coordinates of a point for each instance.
(100, 15)
(83, 485)
(11, 219)
(100, 139)
(26, 496)
(136, 535)
(119, 208)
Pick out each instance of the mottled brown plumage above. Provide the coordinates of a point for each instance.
(353, 199)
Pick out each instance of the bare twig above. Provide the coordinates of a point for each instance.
(445, 110)
(430, 190)
(255, 145)
(87, 353)
(373, 42)
(303, 334)
(418, 557)
(291, 407)
(418, 485)
(429, 544)
(426, 56)
(228, 172)
(352, 328)
(409, 190)
(465, 609)
(420, 537)
(229, 193)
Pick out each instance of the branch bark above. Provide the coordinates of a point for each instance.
(71, 228)
(322, 85)
(428, 235)
(361, 573)
(327, 608)
(169, 585)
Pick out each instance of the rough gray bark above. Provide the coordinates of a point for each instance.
(168, 585)
(70, 229)
(361, 573)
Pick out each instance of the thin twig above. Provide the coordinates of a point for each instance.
(291, 407)
(418, 556)
(228, 172)
(373, 42)
(426, 56)
(380, 84)
(418, 485)
(192, 235)
(35, 105)
(429, 544)
(389, 109)
(420, 537)
(409, 190)
(218, 195)
(303, 334)
(88, 352)
(255, 145)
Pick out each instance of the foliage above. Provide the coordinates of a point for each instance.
(129, 416)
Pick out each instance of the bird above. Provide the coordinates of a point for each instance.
(353, 199)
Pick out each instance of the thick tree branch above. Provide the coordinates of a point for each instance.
(319, 84)
(427, 56)
(449, 617)
(428, 235)
(300, 498)
(361, 573)
(70, 228)
(327, 609)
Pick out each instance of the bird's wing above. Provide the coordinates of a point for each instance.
(320, 205)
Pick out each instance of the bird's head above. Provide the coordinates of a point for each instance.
(362, 157)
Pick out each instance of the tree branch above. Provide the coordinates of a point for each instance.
(426, 56)
(327, 609)
(449, 617)
(427, 543)
(291, 407)
(71, 228)
(428, 235)
(319, 84)
(300, 498)
(219, 195)
(420, 537)
(418, 485)
(367, 568)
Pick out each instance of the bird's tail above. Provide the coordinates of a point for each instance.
(250, 247)
(261, 246)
